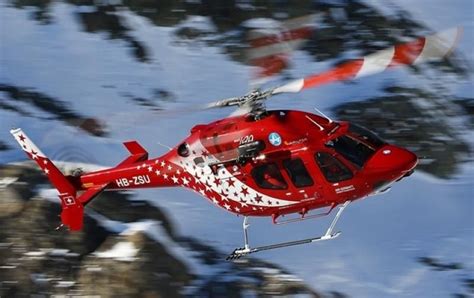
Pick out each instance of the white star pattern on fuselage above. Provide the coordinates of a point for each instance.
(224, 184)
(175, 179)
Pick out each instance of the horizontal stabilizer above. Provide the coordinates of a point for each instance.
(138, 153)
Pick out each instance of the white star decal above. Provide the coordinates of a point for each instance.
(202, 192)
(227, 207)
(178, 172)
(139, 167)
(185, 181)
(157, 172)
(45, 161)
(144, 165)
(162, 163)
(34, 156)
(169, 167)
(150, 169)
(237, 209)
(156, 162)
(215, 201)
(46, 171)
(175, 180)
(165, 176)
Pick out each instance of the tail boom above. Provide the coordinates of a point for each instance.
(136, 171)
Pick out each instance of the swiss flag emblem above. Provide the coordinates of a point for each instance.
(69, 200)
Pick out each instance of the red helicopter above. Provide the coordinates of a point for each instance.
(264, 163)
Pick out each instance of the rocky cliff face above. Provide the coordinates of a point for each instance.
(127, 248)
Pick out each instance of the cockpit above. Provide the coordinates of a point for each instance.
(357, 145)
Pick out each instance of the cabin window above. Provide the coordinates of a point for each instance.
(332, 168)
(183, 150)
(297, 172)
(268, 176)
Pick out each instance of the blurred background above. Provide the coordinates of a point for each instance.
(82, 76)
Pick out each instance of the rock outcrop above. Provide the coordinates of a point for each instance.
(128, 248)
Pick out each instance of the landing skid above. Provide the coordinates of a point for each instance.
(246, 250)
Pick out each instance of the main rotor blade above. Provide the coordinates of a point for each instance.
(222, 103)
(435, 46)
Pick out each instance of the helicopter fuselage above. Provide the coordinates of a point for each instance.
(278, 163)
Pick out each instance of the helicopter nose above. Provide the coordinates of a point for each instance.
(397, 161)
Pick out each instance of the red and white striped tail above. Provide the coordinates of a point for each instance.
(423, 49)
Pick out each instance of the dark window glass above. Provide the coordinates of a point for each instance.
(366, 135)
(183, 150)
(297, 172)
(332, 169)
(268, 176)
(351, 149)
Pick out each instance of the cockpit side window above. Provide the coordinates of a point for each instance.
(332, 168)
(268, 176)
(297, 172)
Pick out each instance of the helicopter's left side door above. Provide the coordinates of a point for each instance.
(340, 179)
(303, 186)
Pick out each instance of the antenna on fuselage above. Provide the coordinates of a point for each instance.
(324, 115)
(315, 123)
(163, 145)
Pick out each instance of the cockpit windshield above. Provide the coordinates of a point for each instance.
(352, 149)
(366, 136)
(357, 146)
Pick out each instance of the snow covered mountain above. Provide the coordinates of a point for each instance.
(80, 77)
(129, 250)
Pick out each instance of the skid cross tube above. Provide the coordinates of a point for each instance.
(240, 252)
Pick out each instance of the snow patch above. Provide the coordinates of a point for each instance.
(122, 251)
(4, 182)
(155, 231)
(261, 23)
(199, 23)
